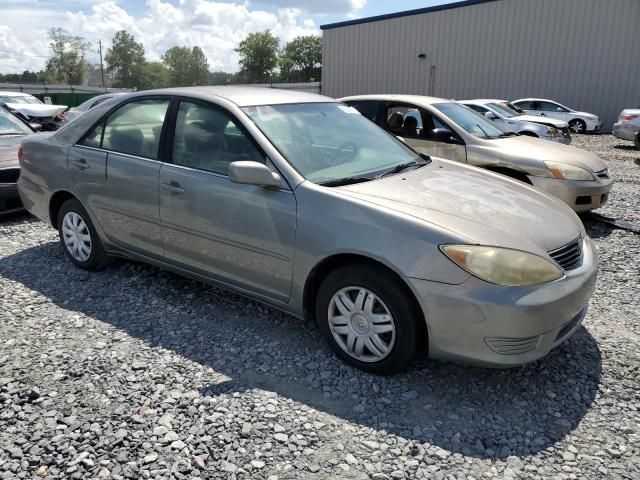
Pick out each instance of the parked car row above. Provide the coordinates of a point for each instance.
(628, 126)
(300, 201)
(450, 130)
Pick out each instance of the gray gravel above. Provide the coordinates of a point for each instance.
(138, 373)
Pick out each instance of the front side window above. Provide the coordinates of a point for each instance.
(476, 108)
(135, 128)
(368, 109)
(208, 138)
(326, 142)
(550, 107)
(470, 121)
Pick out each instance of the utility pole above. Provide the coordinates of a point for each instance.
(101, 67)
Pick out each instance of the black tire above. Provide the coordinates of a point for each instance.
(636, 141)
(97, 259)
(408, 320)
(577, 126)
(530, 134)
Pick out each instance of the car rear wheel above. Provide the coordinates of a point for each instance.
(79, 238)
(368, 319)
(577, 126)
(636, 141)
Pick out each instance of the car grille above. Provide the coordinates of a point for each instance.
(603, 173)
(9, 175)
(569, 256)
(512, 346)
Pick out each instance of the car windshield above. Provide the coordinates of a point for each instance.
(327, 142)
(470, 121)
(504, 110)
(10, 125)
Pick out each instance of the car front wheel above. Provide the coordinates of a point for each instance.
(577, 126)
(79, 238)
(368, 319)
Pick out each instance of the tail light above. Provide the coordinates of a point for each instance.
(625, 117)
(20, 154)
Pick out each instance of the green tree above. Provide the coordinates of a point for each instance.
(153, 75)
(125, 60)
(186, 67)
(67, 63)
(220, 78)
(301, 59)
(258, 56)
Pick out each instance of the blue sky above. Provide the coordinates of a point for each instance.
(217, 26)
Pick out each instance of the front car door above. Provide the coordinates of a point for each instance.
(129, 211)
(87, 164)
(242, 235)
(553, 110)
(415, 125)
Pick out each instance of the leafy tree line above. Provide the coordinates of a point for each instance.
(261, 60)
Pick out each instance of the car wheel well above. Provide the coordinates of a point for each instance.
(55, 203)
(327, 265)
(508, 172)
(529, 134)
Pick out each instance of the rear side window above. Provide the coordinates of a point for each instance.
(135, 128)
(94, 139)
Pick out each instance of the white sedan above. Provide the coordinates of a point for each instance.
(579, 122)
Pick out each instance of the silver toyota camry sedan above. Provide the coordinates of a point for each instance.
(299, 201)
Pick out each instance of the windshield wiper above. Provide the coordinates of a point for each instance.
(11, 133)
(344, 181)
(425, 160)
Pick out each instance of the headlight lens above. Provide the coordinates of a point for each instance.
(564, 171)
(503, 266)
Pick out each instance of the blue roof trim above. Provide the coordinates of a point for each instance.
(406, 13)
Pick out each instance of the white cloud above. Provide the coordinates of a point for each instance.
(321, 7)
(217, 27)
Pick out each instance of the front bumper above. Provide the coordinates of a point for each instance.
(593, 125)
(580, 196)
(9, 198)
(482, 324)
(625, 131)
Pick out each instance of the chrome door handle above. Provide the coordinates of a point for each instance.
(80, 164)
(173, 187)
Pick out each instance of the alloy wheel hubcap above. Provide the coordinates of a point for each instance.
(361, 324)
(576, 127)
(76, 237)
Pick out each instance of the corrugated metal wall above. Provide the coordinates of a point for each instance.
(583, 53)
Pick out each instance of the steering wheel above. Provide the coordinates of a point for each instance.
(347, 150)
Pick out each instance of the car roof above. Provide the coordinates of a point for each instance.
(482, 101)
(533, 100)
(15, 94)
(417, 99)
(244, 96)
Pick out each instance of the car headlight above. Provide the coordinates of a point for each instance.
(564, 171)
(503, 266)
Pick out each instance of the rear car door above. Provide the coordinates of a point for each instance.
(130, 209)
(242, 235)
(415, 126)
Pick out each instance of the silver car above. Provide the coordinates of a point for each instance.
(628, 126)
(75, 112)
(513, 121)
(447, 129)
(299, 201)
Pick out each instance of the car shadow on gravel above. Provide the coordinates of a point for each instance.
(484, 413)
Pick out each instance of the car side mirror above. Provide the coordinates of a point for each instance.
(253, 173)
(559, 109)
(490, 115)
(36, 126)
(442, 135)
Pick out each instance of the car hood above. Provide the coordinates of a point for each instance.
(9, 145)
(544, 120)
(37, 109)
(536, 149)
(480, 206)
(585, 114)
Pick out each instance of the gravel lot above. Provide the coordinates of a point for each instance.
(138, 373)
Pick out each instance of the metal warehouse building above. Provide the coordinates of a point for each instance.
(582, 53)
